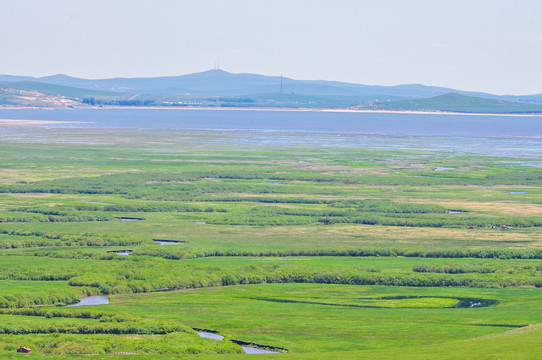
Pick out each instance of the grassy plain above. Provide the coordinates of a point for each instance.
(360, 249)
(340, 316)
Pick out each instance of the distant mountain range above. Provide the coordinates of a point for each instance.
(221, 88)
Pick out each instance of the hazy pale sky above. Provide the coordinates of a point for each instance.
(480, 45)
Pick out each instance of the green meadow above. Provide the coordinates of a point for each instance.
(312, 250)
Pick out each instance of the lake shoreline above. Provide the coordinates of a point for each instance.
(332, 110)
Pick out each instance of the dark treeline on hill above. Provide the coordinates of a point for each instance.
(97, 102)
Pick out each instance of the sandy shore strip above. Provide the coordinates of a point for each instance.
(20, 122)
(331, 110)
(225, 108)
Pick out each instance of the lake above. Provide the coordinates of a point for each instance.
(495, 135)
(285, 120)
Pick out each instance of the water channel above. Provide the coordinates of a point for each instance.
(103, 300)
(246, 349)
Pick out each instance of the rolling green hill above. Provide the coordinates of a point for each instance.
(33, 93)
(453, 102)
(217, 88)
(52, 89)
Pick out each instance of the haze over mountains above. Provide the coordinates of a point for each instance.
(221, 88)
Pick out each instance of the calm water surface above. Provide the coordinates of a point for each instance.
(92, 300)
(507, 136)
(210, 335)
(298, 121)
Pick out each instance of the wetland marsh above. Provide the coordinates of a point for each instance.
(327, 244)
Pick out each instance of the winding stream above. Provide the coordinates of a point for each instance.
(103, 300)
(210, 335)
(248, 349)
(252, 350)
(461, 302)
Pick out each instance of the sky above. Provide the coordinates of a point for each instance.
(491, 46)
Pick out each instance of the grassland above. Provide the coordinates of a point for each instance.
(363, 251)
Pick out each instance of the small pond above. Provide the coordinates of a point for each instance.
(169, 242)
(92, 300)
(129, 219)
(120, 252)
(518, 192)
